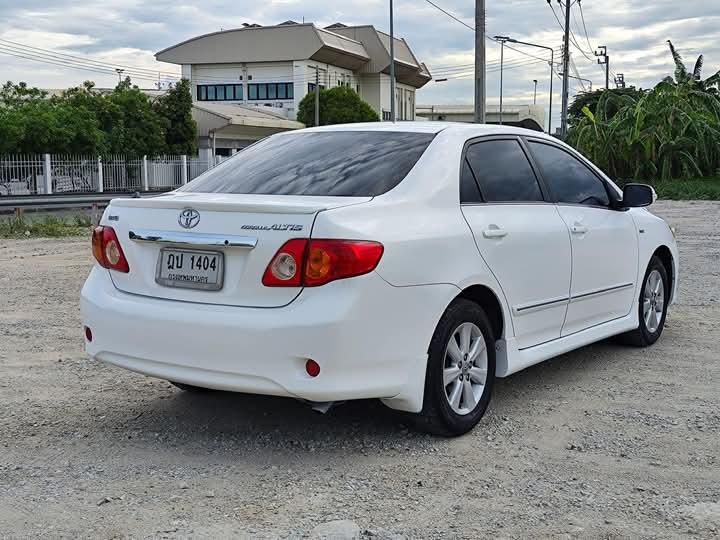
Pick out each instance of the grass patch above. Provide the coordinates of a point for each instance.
(47, 226)
(698, 189)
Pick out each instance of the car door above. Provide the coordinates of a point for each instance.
(520, 236)
(604, 240)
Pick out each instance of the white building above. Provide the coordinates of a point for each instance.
(271, 69)
(526, 116)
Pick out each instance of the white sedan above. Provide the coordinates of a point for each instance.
(411, 262)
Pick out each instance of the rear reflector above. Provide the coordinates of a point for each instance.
(309, 263)
(107, 251)
(312, 368)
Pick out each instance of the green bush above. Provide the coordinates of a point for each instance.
(339, 105)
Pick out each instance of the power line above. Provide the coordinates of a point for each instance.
(582, 16)
(453, 17)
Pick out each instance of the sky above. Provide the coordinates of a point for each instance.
(129, 32)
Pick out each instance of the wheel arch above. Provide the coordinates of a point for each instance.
(665, 255)
(486, 298)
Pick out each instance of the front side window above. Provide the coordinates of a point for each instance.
(334, 163)
(568, 178)
(503, 172)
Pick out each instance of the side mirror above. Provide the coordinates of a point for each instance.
(637, 196)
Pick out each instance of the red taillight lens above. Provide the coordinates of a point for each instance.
(310, 263)
(107, 251)
(328, 260)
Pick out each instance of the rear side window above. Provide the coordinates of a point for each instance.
(567, 177)
(337, 163)
(503, 172)
(469, 192)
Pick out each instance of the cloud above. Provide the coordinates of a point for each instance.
(129, 32)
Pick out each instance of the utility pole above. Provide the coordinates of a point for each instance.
(119, 72)
(392, 64)
(566, 68)
(535, 93)
(317, 96)
(604, 59)
(501, 40)
(620, 80)
(480, 86)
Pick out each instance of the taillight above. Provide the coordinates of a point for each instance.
(107, 251)
(310, 263)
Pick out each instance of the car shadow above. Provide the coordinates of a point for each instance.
(233, 422)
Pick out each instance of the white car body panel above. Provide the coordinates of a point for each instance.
(531, 262)
(370, 333)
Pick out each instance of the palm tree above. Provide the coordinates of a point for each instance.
(694, 79)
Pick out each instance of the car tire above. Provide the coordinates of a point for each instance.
(190, 388)
(445, 412)
(652, 295)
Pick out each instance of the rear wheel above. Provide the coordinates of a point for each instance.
(460, 372)
(653, 306)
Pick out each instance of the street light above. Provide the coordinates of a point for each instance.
(501, 40)
(552, 67)
(535, 93)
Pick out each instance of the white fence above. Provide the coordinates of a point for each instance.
(46, 173)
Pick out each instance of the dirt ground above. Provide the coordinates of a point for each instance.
(604, 442)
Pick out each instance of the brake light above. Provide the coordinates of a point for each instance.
(314, 262)
(107, 251)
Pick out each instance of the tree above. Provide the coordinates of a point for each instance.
(694, 79)
(140, 130)
(614, 102)
(176, 107)
(84, 120)
(339, 105)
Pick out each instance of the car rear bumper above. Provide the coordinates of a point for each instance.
(369, 337)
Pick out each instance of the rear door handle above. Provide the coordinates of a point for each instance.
(493, 231)
(579, 228)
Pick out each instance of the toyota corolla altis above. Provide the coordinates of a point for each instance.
(411, 262)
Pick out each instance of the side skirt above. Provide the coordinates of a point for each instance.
(510, 359)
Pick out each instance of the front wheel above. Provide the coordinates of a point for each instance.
(460, 372)
(654, 296)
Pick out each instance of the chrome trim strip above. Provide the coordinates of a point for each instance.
(542, 305)
(193, 239)
(601, 291)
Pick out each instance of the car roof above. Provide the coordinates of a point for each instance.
(470, 130)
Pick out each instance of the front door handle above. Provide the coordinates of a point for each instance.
(493, 231)
(579, 228)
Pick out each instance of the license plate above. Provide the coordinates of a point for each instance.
(190, 269)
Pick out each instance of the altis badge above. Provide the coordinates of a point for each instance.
(275, 227)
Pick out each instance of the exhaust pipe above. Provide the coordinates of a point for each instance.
(322, 407)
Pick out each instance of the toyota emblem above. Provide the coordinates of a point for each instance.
(188, 218)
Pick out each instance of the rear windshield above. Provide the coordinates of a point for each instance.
(335, 163)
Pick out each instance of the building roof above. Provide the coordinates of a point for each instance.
(408, 69)
(283, 42)
(358, 48)
(240, 115)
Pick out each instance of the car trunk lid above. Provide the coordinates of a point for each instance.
(221, 253)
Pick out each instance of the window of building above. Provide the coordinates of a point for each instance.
(503, 172)
(567, 177)
(311, 87)
(262, 91)
(386, 116)
(219, 92)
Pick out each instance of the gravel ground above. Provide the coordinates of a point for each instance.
(606, 441)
